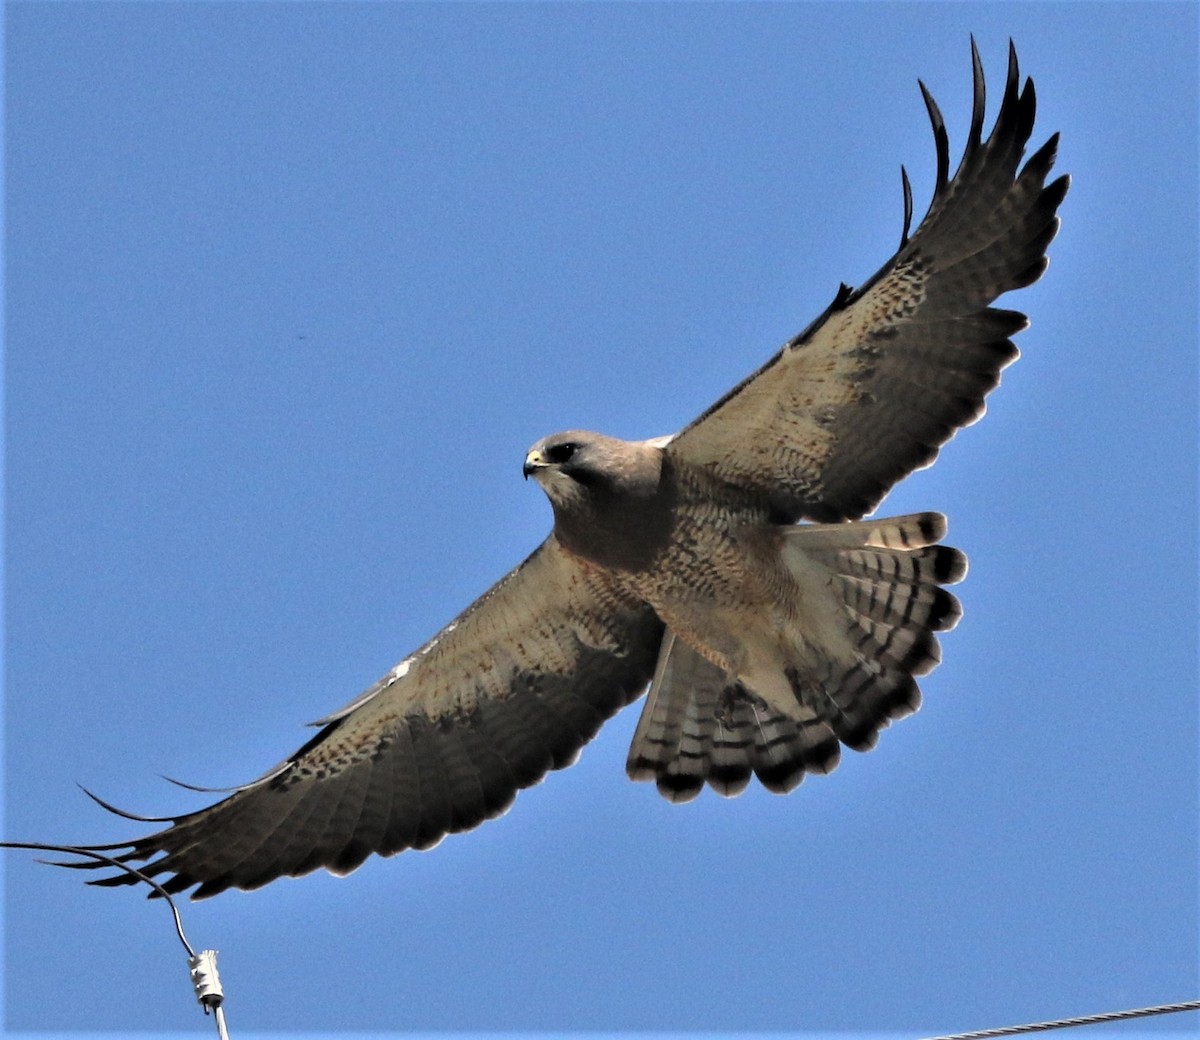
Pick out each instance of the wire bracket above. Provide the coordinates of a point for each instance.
(206, 980)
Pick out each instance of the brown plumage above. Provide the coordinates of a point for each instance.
(767, 644)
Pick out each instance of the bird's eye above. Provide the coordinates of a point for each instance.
(560, 453)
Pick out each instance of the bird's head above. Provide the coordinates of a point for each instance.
(576, 466)
(565, 463)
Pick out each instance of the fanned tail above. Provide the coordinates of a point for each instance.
(874, 603)
(700, 727)
(860, 660)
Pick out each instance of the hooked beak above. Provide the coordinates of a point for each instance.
(534, 461)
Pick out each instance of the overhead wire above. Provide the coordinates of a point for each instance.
(1067, 1023)
(206, 982)
(202, 966)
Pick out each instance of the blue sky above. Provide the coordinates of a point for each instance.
(291, 289)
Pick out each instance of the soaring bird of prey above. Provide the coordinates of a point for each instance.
(726, 567)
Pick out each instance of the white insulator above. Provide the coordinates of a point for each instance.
(205, 979)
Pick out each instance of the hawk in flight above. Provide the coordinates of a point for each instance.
(680, 564)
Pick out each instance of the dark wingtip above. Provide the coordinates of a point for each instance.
(93, 856)
(906, 187)
(121, 812)
(980, 98)
(940, 137)
(204, 891)
(111, 881)
(198, 788)
(1057, 190)
(1012, 82)
(1042, 161)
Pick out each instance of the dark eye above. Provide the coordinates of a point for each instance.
(560, 453)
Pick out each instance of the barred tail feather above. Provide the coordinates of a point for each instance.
(857, 667)
(698, 726)
(872, 603)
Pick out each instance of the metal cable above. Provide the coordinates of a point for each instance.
(74, 850)
(1064, 1023)
(201, 966)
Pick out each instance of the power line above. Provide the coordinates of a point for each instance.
(202, 966)
(1065, 1023)
(207, 984)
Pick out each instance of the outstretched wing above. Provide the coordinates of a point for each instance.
(514, 687)
(885, 376)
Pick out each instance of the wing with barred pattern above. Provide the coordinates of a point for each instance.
(873, 388)
(511, 689)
